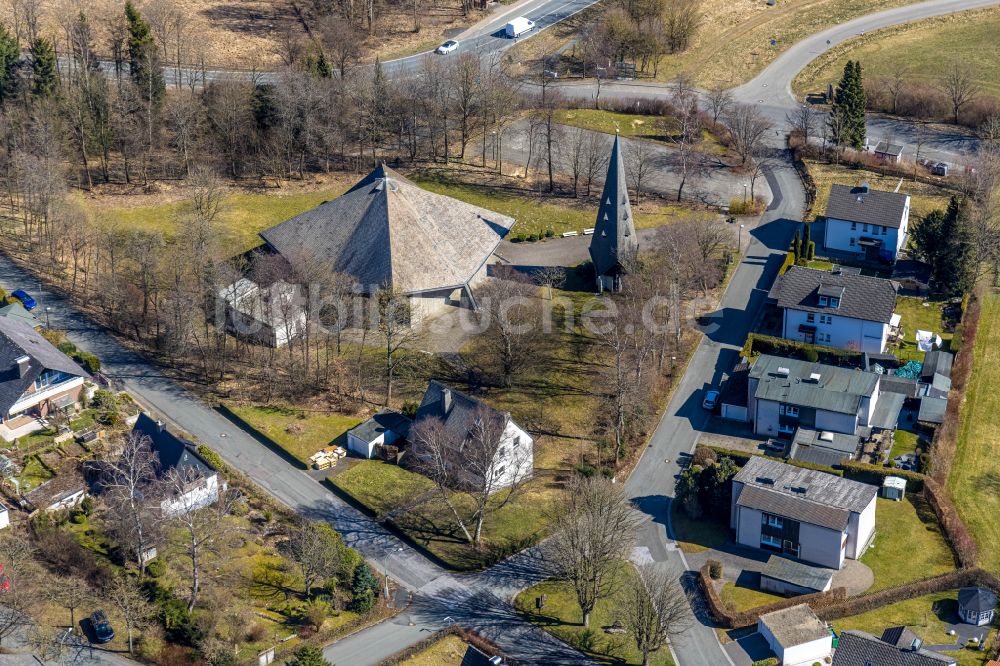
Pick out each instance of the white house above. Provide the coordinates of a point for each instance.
(898, 645)
(271, 315)
(4, 517)
(796, 636)
(194, 481)
(869, 223)
(384, 428)
(835, 308)
(814, 516)
(461, 416)
(784, 394)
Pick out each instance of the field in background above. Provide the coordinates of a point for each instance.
(974, 483)
(926, 48)
(923, 197)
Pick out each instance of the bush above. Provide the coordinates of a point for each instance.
(87, 505)
(156, 568)
(811, 355)
(549, 233)
(66, 347)
(768, 344)
(410, 408)
(704, 457)
(715, 569)
(212, 458)
(88, 361)
(532, 238)
(314, 614)
(308, 655)
(586, 470)
(78, 518)
(770, 661)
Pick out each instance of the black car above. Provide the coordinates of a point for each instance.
(103, 632)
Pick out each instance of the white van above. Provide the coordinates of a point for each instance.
(518, 27)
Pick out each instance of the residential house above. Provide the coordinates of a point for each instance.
(388, 232)
(796, 636)
(270, 315)
(868, 223)
(858, 648)
(807, 514)
(14, 310)
(4, 518)
(386, 427)
(976, 605)
(614, 243)
(936, 369)
(36, 379)
(785, 394)
(835, 308)
(461, 415)
(193, 481)
(64, 491)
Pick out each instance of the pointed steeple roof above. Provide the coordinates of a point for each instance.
(614, 240)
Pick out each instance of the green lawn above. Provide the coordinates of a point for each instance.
(696, 536)
(974, 482)
(33, 474)
(919, 314)
(632, 125)
(561, 618)
(535, 213)
(908, 543)
(926, 48)
(299, 432)
(904, 442)
(745, 598)
(923, 197)
(242, 215)
(447, 651)
(821, 264)
(927, 616)
(381, 486)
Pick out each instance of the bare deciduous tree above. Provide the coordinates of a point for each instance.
(654, 608)
(594, 528)
(802, 121)
(688, 160)
(395, 327)
(959, 83)
(318, 550)
(639, 160)
(747, 128)
(129, 599)
(508, 311)
(718, 100)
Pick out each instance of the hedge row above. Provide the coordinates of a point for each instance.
(742, 457)
(808, 182)
(730, 619)
(955, 529)
(876, 474)
(769, 344)
(469, 636)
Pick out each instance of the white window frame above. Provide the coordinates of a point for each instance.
(810, 317)
(824, 301)
(773, 521)
(791, 410)
(834, 302)
(774, 542)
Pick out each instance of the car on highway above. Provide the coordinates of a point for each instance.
(710, 400)
(447, 47)
(103, 632)
(27, 301)
(518, 27)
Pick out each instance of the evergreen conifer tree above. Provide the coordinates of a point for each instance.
(44, 70)
(144, 61)
(849, 108)
(10, 60)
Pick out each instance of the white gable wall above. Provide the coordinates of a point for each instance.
(860, 529)
(839, 233)
(515, 457)
(842, 332)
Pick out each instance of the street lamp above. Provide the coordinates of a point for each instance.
(739, 244)
(745, 186)
(47, 308)
(385, 569)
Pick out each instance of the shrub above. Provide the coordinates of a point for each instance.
(811, 355)
(66, 347)
(532, 238)
(308, 655)
(364, 589)
(212, 458)
(314, 614)
(586, 469)
(704, 457)
(78, 518)
(156, 569)
(88, 361)
(549, 233)
(715, 569)
(770, 661)
(87, 505)
(410, 408)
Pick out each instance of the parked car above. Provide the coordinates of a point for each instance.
(711, 400)
(447, 47)
(103, 632)
(27, 301)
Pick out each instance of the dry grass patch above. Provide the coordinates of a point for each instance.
(926, 48)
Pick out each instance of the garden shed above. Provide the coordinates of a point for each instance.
(894, 488)
(976, 605)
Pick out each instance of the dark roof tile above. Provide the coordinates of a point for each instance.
(861, 296)
(858, 204)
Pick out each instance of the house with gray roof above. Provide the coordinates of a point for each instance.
(787, 577)
(461, 425)
(384, 428)
(796, 636)
(868, 223)
(193, 481)
(388, 232)
(803, 513)
(36, 379)
(785, 394)
(835, 308)
(858, 648)
(614, 243)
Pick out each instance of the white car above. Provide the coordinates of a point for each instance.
(711, 400)
(447, 47)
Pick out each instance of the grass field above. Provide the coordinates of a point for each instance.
(904, 442)
(696, 536)
(534, 213)
(926, 48)
(448, 651)
(631, 125)
(745, 598)
(906, 531)
(923, 197)
(299, 432)
(927, 616)
(974, 483)
(381, 486)
(561, 618)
